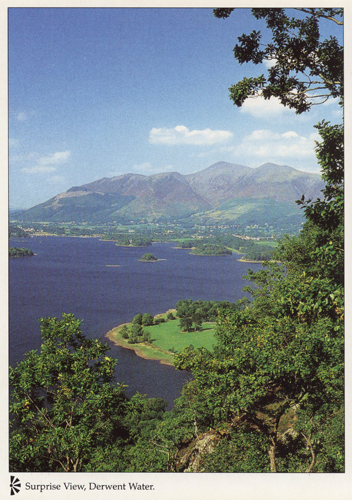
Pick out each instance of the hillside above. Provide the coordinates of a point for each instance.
(223, 191)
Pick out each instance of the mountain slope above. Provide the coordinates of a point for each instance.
(227, 190)
(219, 182)
(224, 181)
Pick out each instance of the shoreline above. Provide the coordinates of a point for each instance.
(252, 261)
(140, 349)
(256, 261)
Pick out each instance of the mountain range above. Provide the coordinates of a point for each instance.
(220, 193)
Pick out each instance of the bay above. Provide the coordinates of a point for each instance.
(106, 285)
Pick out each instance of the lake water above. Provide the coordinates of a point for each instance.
(74, 275)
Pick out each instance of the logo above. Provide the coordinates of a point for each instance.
(15, 485)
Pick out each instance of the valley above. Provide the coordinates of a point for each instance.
(224, 195)
(222, 209)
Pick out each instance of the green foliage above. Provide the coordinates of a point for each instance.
(272, 388)
(17, 232)
(224, 244)
(327, 215)
(306, 69)
(241, 451)
(137, 320)
(147, 319)
(210, 249)
(136, 334)
(64, 406)
(124, 332)
(258, 253)
(266, 364)
(194, 313)
(148, 257)
(123, 239)
(276, 374)
(186, 324)
(19, 252)
(190, 313)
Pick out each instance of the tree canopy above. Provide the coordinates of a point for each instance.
(274, 385)
(69, 415)
(305, 70)
(64, 406)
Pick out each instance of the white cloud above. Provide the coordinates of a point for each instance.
(38, 169)
(45, 164)
(264, 108)
(182, 135)
(269, 63)
(148, 168)
(332, 101)
(55, 158)
(289, 134)
(269, 145)
(13, 142)
(21, 117)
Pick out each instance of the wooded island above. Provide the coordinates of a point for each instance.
(19, 252)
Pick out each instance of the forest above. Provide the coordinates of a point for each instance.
(269, 397)
(224, 244)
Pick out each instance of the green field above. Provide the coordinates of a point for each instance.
(272, 244)
(165, 337)
(168, 336)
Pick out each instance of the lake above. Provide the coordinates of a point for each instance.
(105, 285)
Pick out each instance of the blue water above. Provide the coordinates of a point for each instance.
(72, 275)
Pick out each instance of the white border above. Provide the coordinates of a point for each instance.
(174, 486)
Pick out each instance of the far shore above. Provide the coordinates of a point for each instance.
(256, 261)
(252, 261)
(146, 246)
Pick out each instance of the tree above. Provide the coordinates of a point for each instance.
(65, 410)
(137, 320)
(305, 69)
(327, 215)
(20, 252)
(267, 363)
(136, 333)
(147, 319)
(276, 375)
(185, 323)
(146, 337)
(124, 332)
(148, 257)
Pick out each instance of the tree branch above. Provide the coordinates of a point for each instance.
(309, 444)
(41, 412)
(340, 23)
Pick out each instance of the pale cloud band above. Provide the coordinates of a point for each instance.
(267, 144)
(182, 135)
(45, 163)
(147, 168)
(59, 157)
(21, 117)
(262, 108)
(38, 169)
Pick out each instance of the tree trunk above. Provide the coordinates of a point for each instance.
(309, 445)
(272, 457)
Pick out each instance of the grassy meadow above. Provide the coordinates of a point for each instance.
(166, 339)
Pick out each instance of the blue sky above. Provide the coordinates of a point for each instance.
(101, 92)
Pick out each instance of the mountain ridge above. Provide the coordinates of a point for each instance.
(171, 195)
